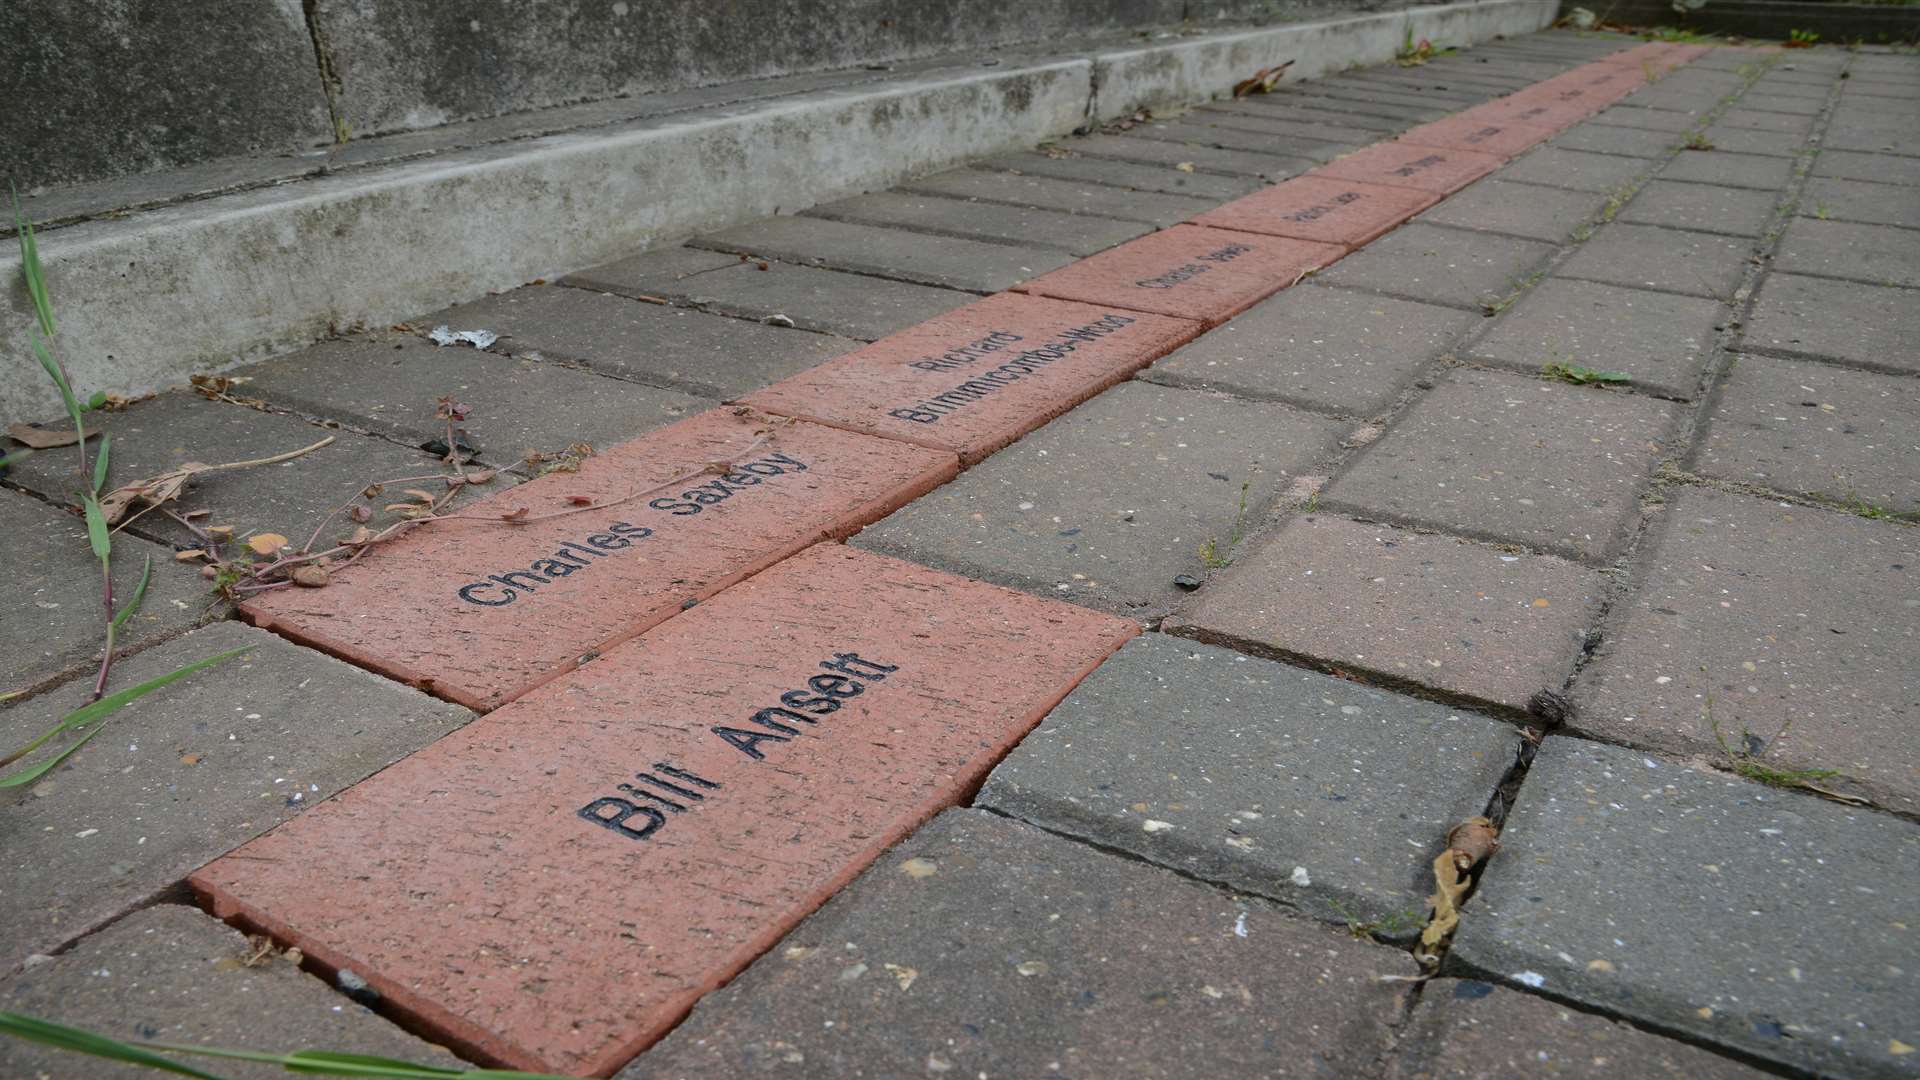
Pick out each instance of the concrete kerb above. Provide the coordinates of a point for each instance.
(149, 299)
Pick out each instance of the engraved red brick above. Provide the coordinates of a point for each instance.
(1581, 92)
(482, 609)
(1423, 168)
(977, 378)
(1187, 271)
(553, 885)
(1316, 208)
(1545, 112)
(1462, 132)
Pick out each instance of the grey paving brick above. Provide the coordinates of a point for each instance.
(691, 351)
(1758, 100)
(850, 305)
(1877, 131)
(1733, 170)
(189, 772)
(391, 383)
(1869, 253)
(1325, 348)
(1443, 266)
(1325, 130)
(1792, 84)
(1196, 133)
(1127, 175)
(1203, 158)
(1529, 210)
(1814, 429)
(59, 622)
(1799, 624)
(1856, 200)
(1071, 196)
(1659, 339)
(1868, 325)
(1327, 796)
(1514, 459)
(1633, 116)
(1471, 621)
(1397, 108)
(1755, 120)
(981, 945)
(890, 253)
(1576, 170)
(1702, 207)
(1106, 505)
(1621, 141)
(1741, 140)
(1686, 98)
(1239, 111)
(1706, 904)
(658, 272)
(173, 974)
(1077, 234)
(1879, 168)
(179, 427)
(1463, 1028)
(1698, 264)
(1459, 93)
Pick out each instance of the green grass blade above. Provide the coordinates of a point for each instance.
(336, 1063)
(30, 266)
(53, 372)
(100, 465)
(62, 1037)
(17, 455)
(97, 534)
(88, 713)
(139, 594)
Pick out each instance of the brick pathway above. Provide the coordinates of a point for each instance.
(1218, 534)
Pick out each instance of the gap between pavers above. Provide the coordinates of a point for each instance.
(486, 886)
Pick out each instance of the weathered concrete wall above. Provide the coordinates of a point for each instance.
(1836, 23)
(98, 88)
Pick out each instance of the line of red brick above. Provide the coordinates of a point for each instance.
(554, 885)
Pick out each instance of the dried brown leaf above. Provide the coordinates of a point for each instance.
(38, 438)
(310, 576)
(266, 543)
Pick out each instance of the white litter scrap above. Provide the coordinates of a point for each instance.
(479, 339)
(1530, 978)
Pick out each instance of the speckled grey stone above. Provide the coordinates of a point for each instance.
(1869, 325)
(1702, 207)
(1717, 166)
(187, 773)
(1670, 260)
(1125, 174)
(1578, 170)
(1070, 196)
(1795, 624)
(1106, 505)
(1077, 234)
(1273, 166)
(1297, 786)
(1817, 429)
(1621, 141)
(1857, 200)
(1843, 249)
(1742, 915)
(1456, 267)
(173, 974)
(1338, 350)
(982, 946)
(947, 261)
(1533, 211)
(1659, 339)
(1508, 458)
(1850, 165)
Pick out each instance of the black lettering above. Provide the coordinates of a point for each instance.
(638, 532)
(554, 568)
(798, 699)
(783, 459)
(666, 802)
(765, 718)
(761, 468)
(748, 742)
(836, 686)
(623, 811)
(685, 793)
(511, 578)
(608, 541)
(682, 774)
(583, 547)
(468, 593)
(674, 506)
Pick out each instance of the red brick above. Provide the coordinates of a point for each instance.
(1585, 90)
(1543, 112)
(1462, 132)
(1423, 168)
(1187, 271)
(422, 608)
(1316, 208)
(466, 885)
(1020, 370)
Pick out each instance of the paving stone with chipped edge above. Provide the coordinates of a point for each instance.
(1078, 234)
(1108, 504)
(1870, 325)
(624, 903)
(1055, 975)
(1665, 260)
(1327, 796)
(59, 621)
(1467, 620)
(946, 261)
(188, 772)
(1126, 175)
(1070, 196)
(691, 351)
(1337, 350)
(1660, 340)
(1188, 272)
(975, 379)
(850, 305)
(1525, 210)
(1464, 1028)
(1812, 428)
(1457, 267)
(1657, 870)
(1868, 253)
(1514, 459)
(1790, 623)
(449, 607)
(176, 975)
